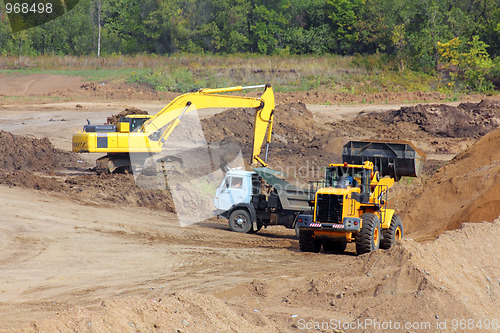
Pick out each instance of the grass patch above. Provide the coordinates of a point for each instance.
(186, 72)
(119, 75)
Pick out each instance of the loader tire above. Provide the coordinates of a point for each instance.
(240, 221)
(334, 246)
(393, 233)
(368, 239)
(309, 243)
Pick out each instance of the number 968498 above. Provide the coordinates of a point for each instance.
(26, 8)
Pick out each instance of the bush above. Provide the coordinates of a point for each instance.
(469, 66)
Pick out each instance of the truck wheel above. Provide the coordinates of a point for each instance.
(334, 246)
(393, 234)
(368, 238)
(239, 221)
(309, 243)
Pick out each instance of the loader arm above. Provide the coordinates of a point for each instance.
(160, 126)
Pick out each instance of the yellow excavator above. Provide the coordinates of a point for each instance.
(144, 135)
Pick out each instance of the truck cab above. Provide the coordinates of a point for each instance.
(253, 199)
(236, 188)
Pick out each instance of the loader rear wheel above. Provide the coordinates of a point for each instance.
(334, 246)
(368, 238)
(309, 243)
(239, 221)
(393, 234)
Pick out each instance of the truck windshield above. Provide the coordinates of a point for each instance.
(341, 176)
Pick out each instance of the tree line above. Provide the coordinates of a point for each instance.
(407, 30)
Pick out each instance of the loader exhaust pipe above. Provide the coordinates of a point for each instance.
(391, 158)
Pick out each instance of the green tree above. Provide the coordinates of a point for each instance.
(267, 26)
(468, 63)
(309, 28)
(344, 16)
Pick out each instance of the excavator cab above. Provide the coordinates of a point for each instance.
(132, 123)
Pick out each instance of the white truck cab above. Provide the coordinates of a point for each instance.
(253, 199)
(236, 188)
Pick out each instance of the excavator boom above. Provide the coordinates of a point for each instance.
(212, 98)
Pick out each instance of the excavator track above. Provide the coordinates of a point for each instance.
(101, 165)
(113, 163)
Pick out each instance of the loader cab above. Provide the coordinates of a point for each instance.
(344, 176)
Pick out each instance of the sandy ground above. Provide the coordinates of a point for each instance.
(65, 260)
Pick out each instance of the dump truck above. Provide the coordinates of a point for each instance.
(144, 136)
(350, 204)
(250, 200)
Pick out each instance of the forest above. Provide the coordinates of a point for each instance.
(460, 37)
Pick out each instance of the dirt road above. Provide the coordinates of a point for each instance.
(57, 254)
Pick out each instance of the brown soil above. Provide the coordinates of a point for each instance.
(465, 121)
(97, 253)
(405, 285)
(33, 163)
(22, 152)
(36, 84)
(464, 190)
(436, 129)
(300, 141)
(179, 312)
(48, 86)
(113, 120)
(296, 136)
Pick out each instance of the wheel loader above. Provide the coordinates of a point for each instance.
(350, 204)
(144, 136)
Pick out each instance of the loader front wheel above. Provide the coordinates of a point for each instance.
(368, 239)
(393, 234)
(309, 243)
(239, 221)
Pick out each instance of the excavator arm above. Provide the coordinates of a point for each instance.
(160, 126)
(118, 142)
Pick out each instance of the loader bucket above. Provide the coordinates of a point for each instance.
(391, 158)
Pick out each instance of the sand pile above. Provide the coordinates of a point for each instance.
(34, 163)
(434, 128)
(464, 190)
(297, 146)
(410, 283)
(179, 312)
(447, 270)
(465, 120)
(293, 125)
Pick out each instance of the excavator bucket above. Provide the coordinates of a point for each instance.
(391, 158)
